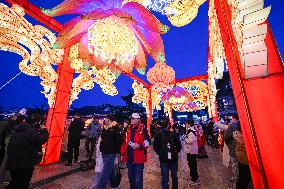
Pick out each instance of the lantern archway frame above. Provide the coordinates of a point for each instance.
(250, 96)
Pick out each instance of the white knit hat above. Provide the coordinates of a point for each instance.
(135, 116)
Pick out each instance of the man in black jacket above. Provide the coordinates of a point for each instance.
(23, 152)
(167, 145)
(75, 130)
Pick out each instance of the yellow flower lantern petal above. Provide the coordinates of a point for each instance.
(183, 12)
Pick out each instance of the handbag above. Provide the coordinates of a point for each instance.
(115, 177)
(87, 165)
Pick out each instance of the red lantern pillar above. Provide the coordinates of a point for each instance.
(150, 108)
(260, 105)
(56, 119)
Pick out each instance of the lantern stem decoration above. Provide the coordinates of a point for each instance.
(141, 95)
(86, 80)
(182, 12)
(217, 63)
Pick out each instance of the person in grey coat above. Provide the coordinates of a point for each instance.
(231, 143)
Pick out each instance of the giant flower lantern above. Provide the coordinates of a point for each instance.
(161, 76)
(110, 34)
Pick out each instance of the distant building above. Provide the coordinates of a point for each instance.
(225, 99)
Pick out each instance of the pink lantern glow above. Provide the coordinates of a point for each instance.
(177, 96)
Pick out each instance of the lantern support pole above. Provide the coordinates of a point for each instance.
(150, 109)
(198, 77)
(57, 114)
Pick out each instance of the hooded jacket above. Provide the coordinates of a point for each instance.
(23, 148)
(229, 139)
(190, 145)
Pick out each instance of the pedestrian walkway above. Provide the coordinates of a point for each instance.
(212, 173)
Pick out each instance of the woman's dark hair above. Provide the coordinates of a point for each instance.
(110, 117)
(126, 121)
(190, 122)
(164, 123)
(227, 120)
(96, 121)
(235, 116)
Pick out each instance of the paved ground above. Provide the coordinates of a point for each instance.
(212, 173)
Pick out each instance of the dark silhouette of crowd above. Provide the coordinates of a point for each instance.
(22, 140)
(111, 146)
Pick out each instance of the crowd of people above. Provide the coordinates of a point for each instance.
(113, 146)
(22, 138)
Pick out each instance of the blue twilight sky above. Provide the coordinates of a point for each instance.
(185, 48)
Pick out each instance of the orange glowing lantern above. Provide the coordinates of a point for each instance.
(161, 76)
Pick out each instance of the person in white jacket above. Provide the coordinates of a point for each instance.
(191, 148)
(99, 164)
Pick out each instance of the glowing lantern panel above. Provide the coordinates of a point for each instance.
(111, 38)
(161, 76)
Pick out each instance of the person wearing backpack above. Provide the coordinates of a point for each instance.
(93, 132)
(191, 148)
(167, 145)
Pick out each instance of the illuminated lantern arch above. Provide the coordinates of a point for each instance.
(233, 32)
